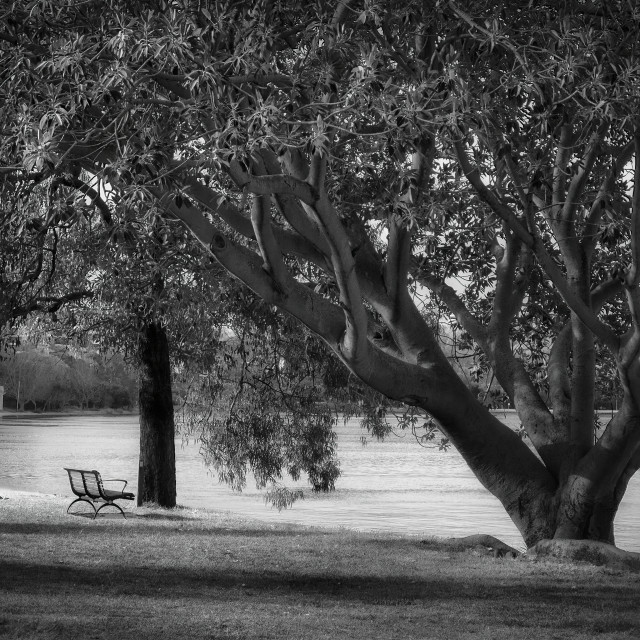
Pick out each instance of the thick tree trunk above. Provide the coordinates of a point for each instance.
(157, 472)
(592, 493)
(498, 457)
(508, 469)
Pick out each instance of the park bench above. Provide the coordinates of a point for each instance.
(89, 487)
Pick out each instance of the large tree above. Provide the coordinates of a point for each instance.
(341, 157)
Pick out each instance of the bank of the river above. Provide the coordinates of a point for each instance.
(201, 574)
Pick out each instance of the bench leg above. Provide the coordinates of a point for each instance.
(83, 500)
(110, 504)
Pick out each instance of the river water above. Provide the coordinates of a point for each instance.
(394, 486)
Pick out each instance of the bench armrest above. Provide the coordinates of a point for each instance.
(116, 480)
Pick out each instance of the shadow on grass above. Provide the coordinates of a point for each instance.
(82, 523)
(552, 607)
(206, 582)
(116, 515)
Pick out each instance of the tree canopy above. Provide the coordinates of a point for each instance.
(347, 160)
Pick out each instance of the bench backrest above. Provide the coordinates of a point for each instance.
(87, 483)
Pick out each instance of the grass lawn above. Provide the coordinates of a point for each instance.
(194, 574)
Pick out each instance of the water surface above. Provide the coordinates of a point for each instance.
(395, 486)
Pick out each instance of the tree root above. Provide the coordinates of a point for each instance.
(482, 542)
(597, 553)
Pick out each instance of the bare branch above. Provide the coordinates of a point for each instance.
(317, 313)
(50, 304)
(517, 180)
(217, 204)
(563, 154)
(633, 275)
(294, 163)
(510, 284)
(398, 261)
(552, 270)
(172, 83)
(344, 267)
(605, 291)
(558, 376)
(273, 184)
(261, 220)
(292, 210)
(578, 182)
(505, 212)
(318, 171)
(92, 194)
(455, 304)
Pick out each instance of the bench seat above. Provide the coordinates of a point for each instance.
(89, 487)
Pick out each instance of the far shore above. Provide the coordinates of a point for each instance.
(71, 412)
(135, 412)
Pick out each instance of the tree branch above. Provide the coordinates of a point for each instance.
(397, 265)
(455, 304)
(563, 154)
(598, 206)
(510, 290)
(355, 339)
(217, 204)
(577, 184)
(92, 194)
(505, 212)
(559, 381)
(273, 184)
(50, 304)
(633, 275)
(601, 330)
(292, 210)
(273, 263)
(321, 316)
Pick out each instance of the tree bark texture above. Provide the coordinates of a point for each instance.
(157, 470)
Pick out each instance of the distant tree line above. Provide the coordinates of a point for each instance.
(53, 379)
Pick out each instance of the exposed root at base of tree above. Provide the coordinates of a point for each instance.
(485, 544)
(598, 553)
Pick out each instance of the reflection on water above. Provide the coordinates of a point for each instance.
(394, 486)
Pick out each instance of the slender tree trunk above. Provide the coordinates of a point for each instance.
(157, 472)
